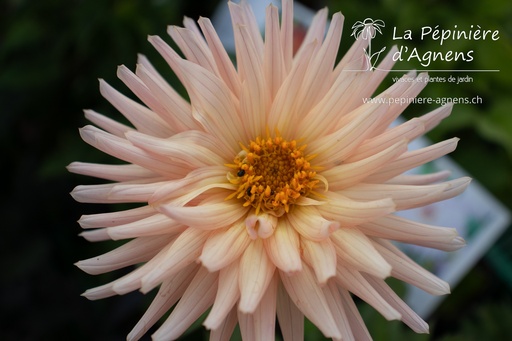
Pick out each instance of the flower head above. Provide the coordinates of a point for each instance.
(271, 192)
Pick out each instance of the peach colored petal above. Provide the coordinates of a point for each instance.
(287, 32)
(193, 47)
(226, 297)
(224, 246)
(308, 296)
(353, 281)
(108, 124)
(254, 97)
(411, 232)
(335, 303)
(227, 327)
(242, 15)
(111, 172)
(115, 218)
(354, 249)
(321, 256)
(291, 319)
(273, 59)
(409, 271)
(412, 159)
(260, 325)
(124, 150)
(357, 325)
(186, 153)
(178, 112)
(255, 276)
(309, 223)
(226, 68)
(407, 196)
(349, 174)
(135, 251)
(283, 248)
(158, 224)
(260, 225)
(184, 251)
(315, 33)
(348, 212)
(419, 179)
(168, 294)
(198, 296)
(141, 117)
(137, 86)
(409, 317)
(205, 217)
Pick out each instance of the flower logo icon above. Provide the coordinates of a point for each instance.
(367, 30)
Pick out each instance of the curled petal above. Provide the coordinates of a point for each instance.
(309, 223)
(283, 248)
(260, 225)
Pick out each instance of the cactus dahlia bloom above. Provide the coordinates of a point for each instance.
(271, 192)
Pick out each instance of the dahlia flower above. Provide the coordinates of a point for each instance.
(271, 191)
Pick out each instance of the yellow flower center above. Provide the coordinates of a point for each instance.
(272, 174)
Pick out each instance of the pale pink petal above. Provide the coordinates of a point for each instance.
(227, 327)
(349, 174)
(353, 281)
(260, 225)
(194, 179)
(283, 248)
(158, 224)
(193, 47)
(169, 293)
(214, 107)
(115, 218)
(111, 172)
(281, 114)
(178, 112)
(260, 325)
(419, 179)
(406, 196)
(287, 32)
(337, 146)
(333, 298)
(226, 297)
(242, 15)
(255, 276)
(180, 152)
(206, 217)
(412, 159)
(412, 232)
(107, 124)
(124, 150)
(184, 251)
(145, 120)
(254, 98)
(309, 223)
(135, 251)
(226, 68)
(405, 269)
(356, 250)
(357, 325)
(409, 317)
(308, 296)
(196, 299)
(348, 212)
(291, 319)
(224, 246)
(315, 33)
(317, 80)
(274, 65)
(321, 256)
(406, 131)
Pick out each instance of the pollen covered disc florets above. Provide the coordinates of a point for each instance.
(272, 174)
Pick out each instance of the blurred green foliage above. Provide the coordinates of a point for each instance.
(51, 54)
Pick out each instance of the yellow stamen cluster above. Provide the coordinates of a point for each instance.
(272, 174)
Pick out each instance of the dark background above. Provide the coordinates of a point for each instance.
(51, 54)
